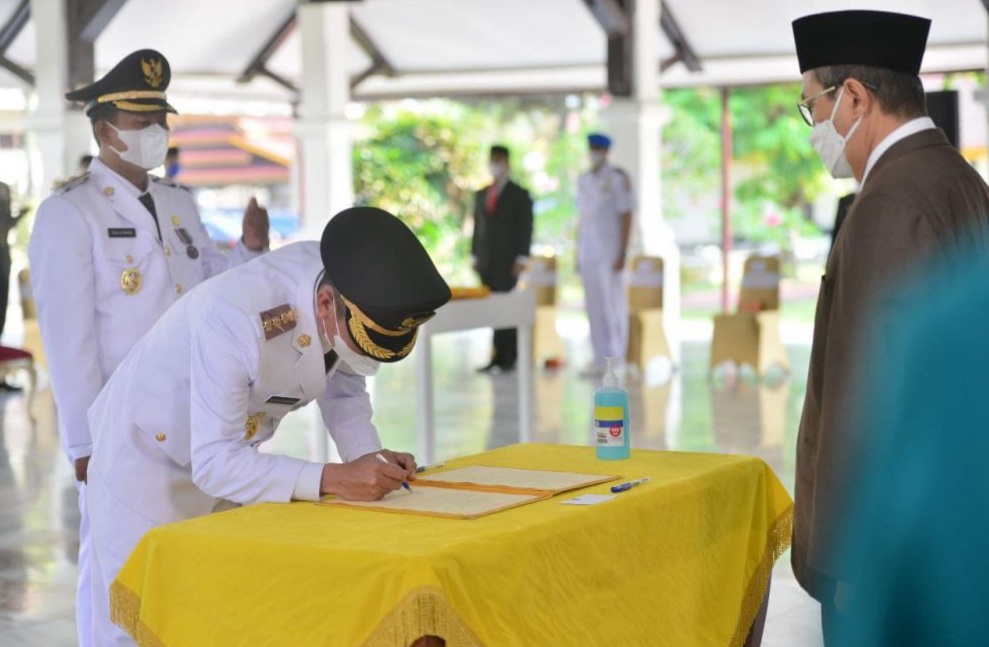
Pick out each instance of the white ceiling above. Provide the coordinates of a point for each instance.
(445, 47)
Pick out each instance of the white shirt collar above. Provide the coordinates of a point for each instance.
(912, 127)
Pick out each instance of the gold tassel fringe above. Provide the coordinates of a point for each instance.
(780, 535)
(424, 611)
(125, 612)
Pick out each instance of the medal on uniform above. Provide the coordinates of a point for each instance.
(184, 236)
(131, 281)
(252, 425)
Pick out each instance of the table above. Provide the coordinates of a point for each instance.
(682, 561)
(515, 309)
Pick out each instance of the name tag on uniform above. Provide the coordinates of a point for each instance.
(121, 232)
(282, 399)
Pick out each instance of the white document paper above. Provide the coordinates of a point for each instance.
(590, 499)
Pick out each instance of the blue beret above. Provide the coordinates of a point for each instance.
(598, 140)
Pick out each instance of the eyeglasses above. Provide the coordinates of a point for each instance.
(806, 107)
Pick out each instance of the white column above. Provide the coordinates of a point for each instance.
(635, 125)
(324, 135)
(57, 136)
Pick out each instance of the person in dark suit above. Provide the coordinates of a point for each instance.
(500, 247)
(7, 223)
(919, 201)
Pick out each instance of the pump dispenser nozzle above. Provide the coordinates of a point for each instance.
(610, 376)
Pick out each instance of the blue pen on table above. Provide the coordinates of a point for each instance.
(628, 486)
(381, 458)
(423, 468)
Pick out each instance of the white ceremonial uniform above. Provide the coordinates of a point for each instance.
(101, 278)
(603, 196)
(178, 426)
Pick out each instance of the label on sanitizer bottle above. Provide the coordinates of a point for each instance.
(609, 426)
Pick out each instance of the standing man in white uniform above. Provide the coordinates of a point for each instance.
(111, 250)
(178, 426)
(604, 205)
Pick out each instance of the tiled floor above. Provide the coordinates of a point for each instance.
(727, 413)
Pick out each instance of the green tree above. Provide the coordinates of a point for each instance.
(775, 172)
(691, 158)
(424, 160)
(424, 167)
(783, 174)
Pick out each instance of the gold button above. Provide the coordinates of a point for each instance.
(160, 437)
(305, 340)
(129, 259)
(178, 289)
(168, 250)
(175, 221)
(108, 191)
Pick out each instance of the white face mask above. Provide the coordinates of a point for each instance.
(597, 158)
(357, 363)
(830, 145)
(497, 170)
(146, 147)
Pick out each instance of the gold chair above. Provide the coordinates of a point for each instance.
(540, 275)
(646, 334)
(752, 335)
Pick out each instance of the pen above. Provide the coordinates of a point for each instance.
(423, 468)
(628, 486)
(381, 458)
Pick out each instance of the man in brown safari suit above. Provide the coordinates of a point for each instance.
(919, 201)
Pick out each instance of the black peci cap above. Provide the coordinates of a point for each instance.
(135, 84)
(892, 41)
(386, 278)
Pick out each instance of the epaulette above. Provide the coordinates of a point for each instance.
(625, 176)
(61, 186)
(167, 181)
(278, 320)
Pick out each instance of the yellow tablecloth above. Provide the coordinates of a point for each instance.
(682, 560)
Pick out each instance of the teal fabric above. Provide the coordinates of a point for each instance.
(917, 536)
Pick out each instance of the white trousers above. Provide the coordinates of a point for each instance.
(116, 530)
(607, 310)
(84, 610)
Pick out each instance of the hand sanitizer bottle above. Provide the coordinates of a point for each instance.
(611, 416)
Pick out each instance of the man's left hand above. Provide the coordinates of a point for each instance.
(406, 461)
(255, 226)
(619, 264)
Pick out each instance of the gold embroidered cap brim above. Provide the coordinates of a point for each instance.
(132, 94)
(407, 325)
(368, 345)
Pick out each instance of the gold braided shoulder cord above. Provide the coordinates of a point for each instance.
(365, 342)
